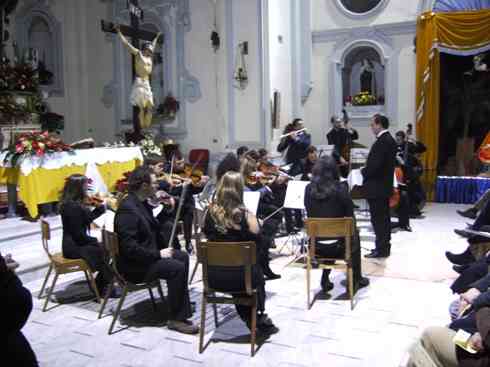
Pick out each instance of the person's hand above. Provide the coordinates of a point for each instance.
(166, 253)
(476, 342)
(343, 161)
(470, 295)
(117, 28)
(462, 307)
(281, 179)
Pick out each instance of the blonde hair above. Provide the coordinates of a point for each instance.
(227, 208)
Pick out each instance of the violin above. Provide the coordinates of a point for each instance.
(93, 200)
(161, 198)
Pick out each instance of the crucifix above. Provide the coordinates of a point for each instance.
(142, 65)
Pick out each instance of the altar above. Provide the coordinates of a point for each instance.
(40, 180)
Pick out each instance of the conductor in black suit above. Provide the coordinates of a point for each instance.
(143, 255)
(378, 184)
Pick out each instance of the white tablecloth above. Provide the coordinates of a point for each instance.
(77, 157)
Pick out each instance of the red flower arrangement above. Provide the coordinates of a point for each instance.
(34, 143)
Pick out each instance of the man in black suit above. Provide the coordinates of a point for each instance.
(140, 238)
(378, 184)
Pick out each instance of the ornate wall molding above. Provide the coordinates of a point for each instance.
(350, 14)
(389, 59)
(23, 21)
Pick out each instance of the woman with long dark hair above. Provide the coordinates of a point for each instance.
(327, 197)
(76, 218)
(229, 220)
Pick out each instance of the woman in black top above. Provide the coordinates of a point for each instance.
(326, 197)
(229, 220)
(76, 218)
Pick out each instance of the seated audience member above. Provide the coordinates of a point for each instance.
(76, 218)
(229, 220)
(140, 259)
(472, 211)
(469, 274)
(326, 197)
(437, 342)
(16, 308)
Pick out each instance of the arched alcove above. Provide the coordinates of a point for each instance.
(38, 29)
(360, 8)
(363, 71)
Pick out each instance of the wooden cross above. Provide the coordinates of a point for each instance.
(136, 34)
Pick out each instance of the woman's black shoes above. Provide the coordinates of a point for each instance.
(460, 259)
(269, 274)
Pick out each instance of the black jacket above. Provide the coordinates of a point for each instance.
(297, 149)
(139, 238)
(380, 168)
(76, 220)
(339, 138)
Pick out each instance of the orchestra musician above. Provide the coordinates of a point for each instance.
(256, 181)
(341, 137)
(408, 152)
(378, 184)
(306, 164)
(326, 197)
(229, 220)
(296, 140)
(76, 218)
(140, 259)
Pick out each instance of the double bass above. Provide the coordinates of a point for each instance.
(400, 176)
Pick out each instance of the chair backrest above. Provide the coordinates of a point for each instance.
(229, 254)
(45, 236)
(331, 228)
(111, 244)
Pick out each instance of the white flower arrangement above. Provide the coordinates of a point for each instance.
(149, 147)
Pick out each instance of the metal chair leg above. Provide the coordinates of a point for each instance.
(215, 312)
(50, 292)
(253, 328)
(90, 276)
(118, 309)
(152, 299)
(160, 291)
(45, 281)
(196, 265)
(203, 323)
(106, 298)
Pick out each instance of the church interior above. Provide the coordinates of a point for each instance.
(259, 182)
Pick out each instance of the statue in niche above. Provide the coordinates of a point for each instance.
(367, 76)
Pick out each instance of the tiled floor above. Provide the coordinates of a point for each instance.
(408, 291)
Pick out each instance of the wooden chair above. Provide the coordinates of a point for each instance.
(229, 254)
(330, 228)
(111, 244)
(61, 265)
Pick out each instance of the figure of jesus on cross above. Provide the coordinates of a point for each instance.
(141, 94)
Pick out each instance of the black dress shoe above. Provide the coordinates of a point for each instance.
(377, 254)
(463, 233)
(468, 213)
(460, 268)
(270, 275)
(465, 258)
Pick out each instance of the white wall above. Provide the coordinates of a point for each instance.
(280, 56)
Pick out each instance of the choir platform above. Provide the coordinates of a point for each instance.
(408, 291)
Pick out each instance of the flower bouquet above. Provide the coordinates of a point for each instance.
(34, 144)
(168, 109)
(363, 99)
(148, 146)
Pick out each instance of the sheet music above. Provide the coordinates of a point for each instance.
(295, 195)
(251, 200)
(106, 221)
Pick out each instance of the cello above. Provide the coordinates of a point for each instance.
(400, 176)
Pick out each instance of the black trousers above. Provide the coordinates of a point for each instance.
(14, 311)
(166, 231)
(175, 271)
(379, 209)
(233, 280)
(97, 260)
(403, 209)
